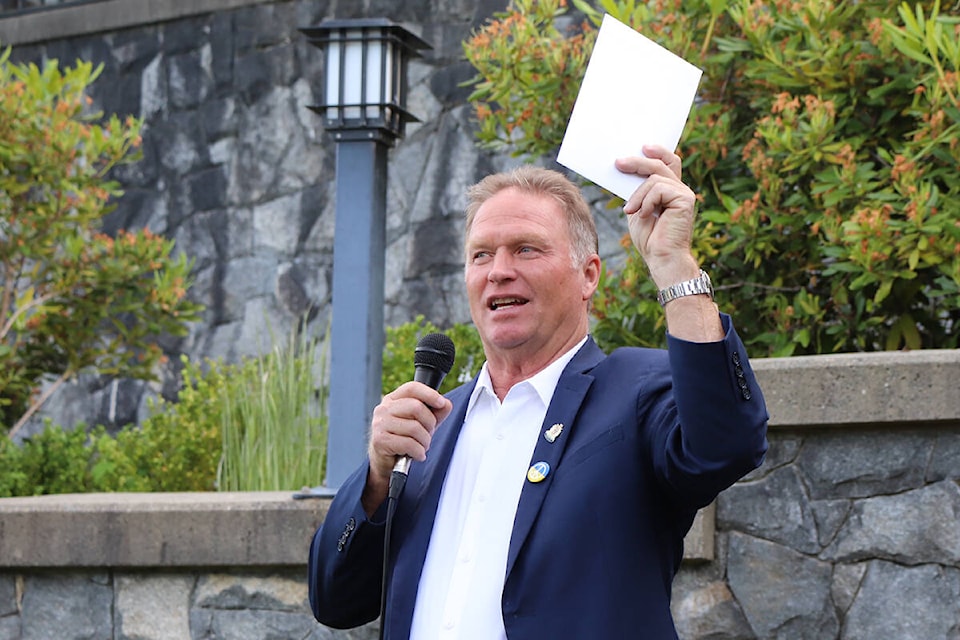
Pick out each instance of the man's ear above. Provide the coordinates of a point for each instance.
(591, 276)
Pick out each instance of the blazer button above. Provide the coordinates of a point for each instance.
(347, 530)
(741, 380)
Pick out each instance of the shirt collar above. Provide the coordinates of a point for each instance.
(543, 382)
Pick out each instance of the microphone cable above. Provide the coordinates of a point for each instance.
(398, 481)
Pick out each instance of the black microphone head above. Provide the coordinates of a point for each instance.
(435, 350)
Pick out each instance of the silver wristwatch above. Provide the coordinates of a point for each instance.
(699, 285)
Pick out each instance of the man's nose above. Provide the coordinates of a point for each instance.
(502, 267)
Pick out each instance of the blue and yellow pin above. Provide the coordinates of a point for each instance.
(538, 472)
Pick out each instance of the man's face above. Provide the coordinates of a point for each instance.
(527, 299)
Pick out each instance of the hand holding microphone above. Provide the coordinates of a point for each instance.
(432, 360)
(404, 421)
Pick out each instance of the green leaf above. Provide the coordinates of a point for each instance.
(883, 291)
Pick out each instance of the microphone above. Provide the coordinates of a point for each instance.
(432, 361)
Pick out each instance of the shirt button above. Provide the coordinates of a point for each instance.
(500, 436)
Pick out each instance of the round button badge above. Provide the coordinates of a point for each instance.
(538, 472)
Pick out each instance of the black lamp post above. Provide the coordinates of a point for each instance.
(364, 110)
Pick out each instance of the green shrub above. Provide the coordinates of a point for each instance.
(625, 308)
(823, 146)
(254, 426)
(176, 448)
(55, 461)
(402, 341)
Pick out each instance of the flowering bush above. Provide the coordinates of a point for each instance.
(823, 146)
(528, 73)
(72, 298)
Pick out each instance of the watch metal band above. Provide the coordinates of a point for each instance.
(697, 286)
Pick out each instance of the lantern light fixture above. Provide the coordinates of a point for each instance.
(365, 92)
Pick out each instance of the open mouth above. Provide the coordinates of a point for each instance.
(503, 303)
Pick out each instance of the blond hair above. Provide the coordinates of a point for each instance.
(542, 182)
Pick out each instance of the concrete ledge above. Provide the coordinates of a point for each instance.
(109, 15)
(122, 530)
(158, 530)
(862, 388)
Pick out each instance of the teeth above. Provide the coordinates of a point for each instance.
(504, 302)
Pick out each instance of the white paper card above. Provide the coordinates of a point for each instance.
(634, 92)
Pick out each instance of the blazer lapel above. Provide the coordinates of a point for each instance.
(571, 389)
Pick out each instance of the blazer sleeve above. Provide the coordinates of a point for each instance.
(719, 431)
(346, 559)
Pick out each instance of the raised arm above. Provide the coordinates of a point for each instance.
(660, 215)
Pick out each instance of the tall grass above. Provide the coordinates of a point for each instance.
(274, 420)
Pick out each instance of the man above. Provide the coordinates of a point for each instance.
(549, 497)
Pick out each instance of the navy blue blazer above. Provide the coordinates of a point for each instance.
(649, 437)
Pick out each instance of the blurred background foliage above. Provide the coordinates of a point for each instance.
(823, 146)
(402, 341)
(75, 300)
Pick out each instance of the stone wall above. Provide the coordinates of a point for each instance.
(143, 566)
(849, 530)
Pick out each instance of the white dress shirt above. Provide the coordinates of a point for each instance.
(463, 574)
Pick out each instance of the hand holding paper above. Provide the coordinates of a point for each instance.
(660, 214)
(634, 93)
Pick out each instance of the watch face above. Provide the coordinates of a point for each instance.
(707, 283)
